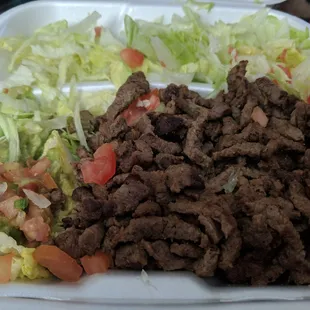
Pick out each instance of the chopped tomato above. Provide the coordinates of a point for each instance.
(282, 56)
(48, 181)
(5, 268)
(7, 207)
(133, 113)
(58, 263)
(308, 100)
(98, 32)
(98, 263)
(286, 70)
(162, 64)
(132, 57)
(103, 168)
(105, 150)
(33, 186)
(36, 229)
(150, 102)
(40, 167)
(99, 171)
(8, 194)
(153, 97)
(35, 211)
(5, 90)
(275, 82)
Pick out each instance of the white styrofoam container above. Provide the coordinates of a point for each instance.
(120, 287)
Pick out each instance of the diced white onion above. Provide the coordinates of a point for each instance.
(38, 199)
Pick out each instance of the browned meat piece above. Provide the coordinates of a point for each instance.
(156, 181)
(148, 208)
(236, 78)
(246, 113)
(135, 86)
(252, 208)
(129, 195)
(182, 176)
(90, 209)
(193, 144)
(167, 124)
(171, 107)
(201, 187)
(160, 251)
(299, 199)
(219, 111)
(186, 250)
(91, 238)
(192, 109)
(142, 156)
(269, 275)
(240, 149)
(153, 228)
(117, 221)
(287, 130)
(213, 232)
(171, 92)
(206, 266)
(165, 160)
(230, 127)
(274, 94)
(68, 241)
(280, 144)
(130, 256)
(144, 125)
(213, 130)
(230, 251)
(161, 145)
(112, 129)
(80, 193)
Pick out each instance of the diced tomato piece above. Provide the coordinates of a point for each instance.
(36, 229)
(40, 167)
(154, 100)
(98, 32)
(134, 112)
(105, 150)
(275, 82)
(132, 57)
(286, 70)
(5, 90)
(98, 263)
(308, 100)
(5, 268)
(7, 207)
(162, 64)
(8, 194)
(35, 211)
(282, 56)
(48, 181)
(99, 171)
(58, 263)
(13, 172)
(33, 186)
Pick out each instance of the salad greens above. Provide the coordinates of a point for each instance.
(187, 49)
(23, 265)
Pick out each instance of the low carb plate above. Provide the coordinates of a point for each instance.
(118, 287)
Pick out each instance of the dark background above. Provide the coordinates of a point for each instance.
(300, 8)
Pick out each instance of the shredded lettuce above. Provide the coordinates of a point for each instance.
(23, 266)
